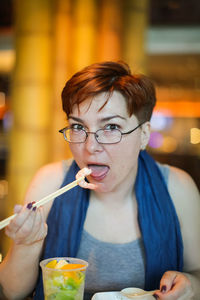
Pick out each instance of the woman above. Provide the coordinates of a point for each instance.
(137, 215)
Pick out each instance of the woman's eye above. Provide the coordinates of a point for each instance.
(111, 127)
(77, 127)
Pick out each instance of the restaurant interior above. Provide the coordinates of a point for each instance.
(42, 43)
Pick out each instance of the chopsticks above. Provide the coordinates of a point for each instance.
(46, 199)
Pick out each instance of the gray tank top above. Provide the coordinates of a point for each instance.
(113, 267)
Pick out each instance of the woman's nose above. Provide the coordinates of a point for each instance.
(91, 143)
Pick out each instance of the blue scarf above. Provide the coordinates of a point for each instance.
(157, 219)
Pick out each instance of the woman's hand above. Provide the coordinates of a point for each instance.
(174, 286)
(28, 226)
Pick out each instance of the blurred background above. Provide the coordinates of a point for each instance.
(42, 43)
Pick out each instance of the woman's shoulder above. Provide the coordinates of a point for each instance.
(53, 173)
(186, 199)
(178, 180)
(185, 195)
(181, 183)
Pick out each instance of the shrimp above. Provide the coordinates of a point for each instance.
(84, 184)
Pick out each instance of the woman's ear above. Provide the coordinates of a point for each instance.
(145, 134)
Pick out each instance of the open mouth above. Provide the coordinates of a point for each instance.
(98, 171)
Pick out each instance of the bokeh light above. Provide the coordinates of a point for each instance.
(156, 140)
(161, 121)
(8, 121)
(169, 144)
(194, 135)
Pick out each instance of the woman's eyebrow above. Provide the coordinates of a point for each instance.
(112, 117)
(105, 119)
(75, 119)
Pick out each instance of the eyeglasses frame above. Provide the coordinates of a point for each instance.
(95, 134)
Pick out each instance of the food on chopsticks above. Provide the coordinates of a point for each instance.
(84, 184)
(64, 281)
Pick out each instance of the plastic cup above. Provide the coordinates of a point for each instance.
(64, 284)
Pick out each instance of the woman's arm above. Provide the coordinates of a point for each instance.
(186, 199)
(19, 269)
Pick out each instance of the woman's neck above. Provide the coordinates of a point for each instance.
(119, 196)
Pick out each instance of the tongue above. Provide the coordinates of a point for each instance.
(98, 170)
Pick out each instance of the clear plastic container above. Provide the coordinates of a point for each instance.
(65, 283)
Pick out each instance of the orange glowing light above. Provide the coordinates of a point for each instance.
(194, 136)
(181, 109)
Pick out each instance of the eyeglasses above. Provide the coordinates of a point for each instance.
(102, 136)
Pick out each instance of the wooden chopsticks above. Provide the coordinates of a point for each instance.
(44, 200)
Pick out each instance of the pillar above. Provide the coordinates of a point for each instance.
(135, 26)
(31, 96)
(109, 44)
(62, 71)
(84, 33)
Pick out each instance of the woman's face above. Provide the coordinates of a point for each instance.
(113, 165)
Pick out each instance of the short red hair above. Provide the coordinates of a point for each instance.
(138, 90)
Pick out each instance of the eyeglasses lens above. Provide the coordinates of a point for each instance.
(102, 136)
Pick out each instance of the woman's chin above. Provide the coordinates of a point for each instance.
(102, 187)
